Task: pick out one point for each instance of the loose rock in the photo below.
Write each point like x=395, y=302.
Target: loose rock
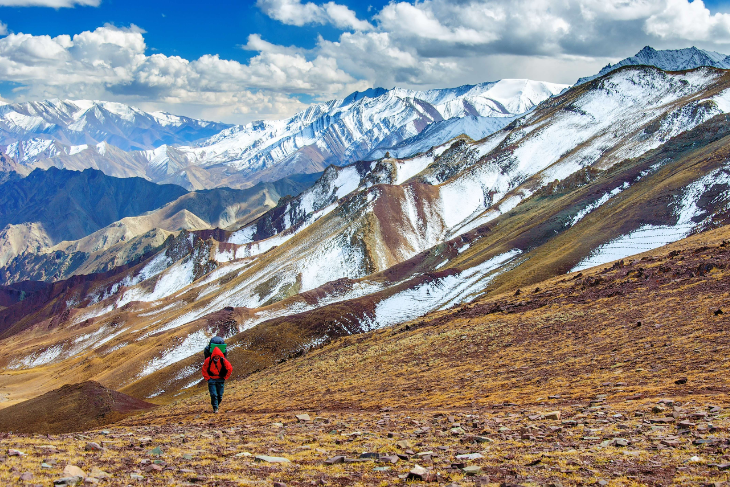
x=268, y=459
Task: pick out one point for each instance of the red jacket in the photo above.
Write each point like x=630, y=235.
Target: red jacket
x=217, y=366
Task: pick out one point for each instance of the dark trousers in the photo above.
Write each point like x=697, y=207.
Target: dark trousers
x=215, y=387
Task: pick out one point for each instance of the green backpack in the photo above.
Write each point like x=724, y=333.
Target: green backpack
x=221, y=346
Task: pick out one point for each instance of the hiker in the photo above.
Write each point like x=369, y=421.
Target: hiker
x=216, y=369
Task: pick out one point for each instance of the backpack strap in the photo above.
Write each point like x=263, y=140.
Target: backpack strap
x=224, y=369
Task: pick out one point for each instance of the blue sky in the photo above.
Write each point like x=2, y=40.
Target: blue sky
x=173, y=27
x=239, y=61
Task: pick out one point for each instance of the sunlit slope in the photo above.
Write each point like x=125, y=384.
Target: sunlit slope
x=633, y=160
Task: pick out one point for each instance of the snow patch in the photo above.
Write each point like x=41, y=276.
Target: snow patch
x=438, y=294
x=192, y=344
x=649, y=237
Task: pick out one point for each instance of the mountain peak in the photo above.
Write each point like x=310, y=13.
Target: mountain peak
x=668, y=60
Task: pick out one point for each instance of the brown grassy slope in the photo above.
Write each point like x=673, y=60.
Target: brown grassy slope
x=73, y=407
x=539, y=226
x=569, y=337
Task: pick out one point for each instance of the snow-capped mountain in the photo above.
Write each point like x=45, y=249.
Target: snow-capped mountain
x=28, y=129
x=360, y=126
x=668, y=60
x=343, y=131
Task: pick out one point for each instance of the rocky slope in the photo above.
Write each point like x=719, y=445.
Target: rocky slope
x=628, y=162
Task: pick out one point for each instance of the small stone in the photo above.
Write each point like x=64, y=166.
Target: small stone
x=389, y=459
x=404, y=444
x=242, y=454
x=303, y=418
x=155, y=452
x=335, y=460
x=68, y=481
x=268, y=459
x=554, y=415
x=15, y=453
x=136, y=476
x=92, y=446
x=277, y=425
x=472, y=470
x=45, y=465
x=279, y=484
x=483, y=439
x=420, y=473
x=26, y=476
x=98, y=473
x=621, y=442
x=470, y=456
x=381, y=469
x=665, y=420
x=724, y=466
x=91, y=481
x=73, y=471
x=458, y=431
x=681, y=380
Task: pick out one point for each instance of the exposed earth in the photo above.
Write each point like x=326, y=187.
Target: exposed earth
x=613, y=376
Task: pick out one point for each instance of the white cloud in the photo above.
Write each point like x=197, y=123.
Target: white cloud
x=294, y=12
x=110, y=63
x=49, y=3
x=691, y=21
x=415, y=44
x=3, y=28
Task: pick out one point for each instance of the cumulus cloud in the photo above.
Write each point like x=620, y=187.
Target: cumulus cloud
x=438, y=42
x=3, y=28
x=294, y=12
x=49, y=3
x=110, y=62
x=691, y=21
x=416, y=44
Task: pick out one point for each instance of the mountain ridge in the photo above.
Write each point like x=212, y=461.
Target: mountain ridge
x=668, y=60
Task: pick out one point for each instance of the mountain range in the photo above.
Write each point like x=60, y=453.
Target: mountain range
x=623, y=163
x=124, y=142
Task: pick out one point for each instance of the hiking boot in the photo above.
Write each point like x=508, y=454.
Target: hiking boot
x=215, y=410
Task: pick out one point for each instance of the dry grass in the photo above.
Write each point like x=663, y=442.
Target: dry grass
x=495, y=367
